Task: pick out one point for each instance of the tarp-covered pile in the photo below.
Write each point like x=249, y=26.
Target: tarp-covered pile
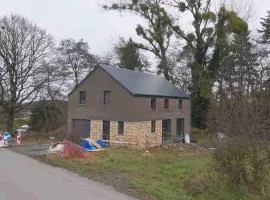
x=4, y=139
x=72, y=150
x=91, y=145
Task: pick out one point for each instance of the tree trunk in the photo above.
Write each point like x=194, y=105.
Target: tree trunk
x=11, y=117
x=165, y=66
x=76, y=78
x=201, y=91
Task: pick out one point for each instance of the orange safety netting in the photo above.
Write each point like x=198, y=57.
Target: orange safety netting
x=72, y=150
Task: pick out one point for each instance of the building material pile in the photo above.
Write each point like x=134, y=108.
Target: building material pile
x=72, y=150
x=90, y=145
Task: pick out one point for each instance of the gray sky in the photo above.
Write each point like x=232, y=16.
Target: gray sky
x=86, y=19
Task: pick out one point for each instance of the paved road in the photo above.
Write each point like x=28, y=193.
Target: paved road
x=22, y=178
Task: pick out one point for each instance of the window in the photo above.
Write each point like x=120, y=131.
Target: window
x=180, y=128
x=153, y=126
x=180, y=104
x=120, y=127
x=82, y=97
x=153, y=103
x=166, y=104
x=107, y=97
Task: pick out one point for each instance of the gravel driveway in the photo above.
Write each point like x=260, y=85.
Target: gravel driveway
x=27, y=179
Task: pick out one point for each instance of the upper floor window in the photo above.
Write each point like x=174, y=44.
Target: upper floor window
x=107, y=97
x=180, y=104
x=153, y=103
x=82, y=97
x=120, y=127
x=166, y=104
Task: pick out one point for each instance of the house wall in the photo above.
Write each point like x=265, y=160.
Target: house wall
x=124, y=106
x=137, y=134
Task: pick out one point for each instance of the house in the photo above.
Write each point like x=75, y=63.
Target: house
x=128, y=106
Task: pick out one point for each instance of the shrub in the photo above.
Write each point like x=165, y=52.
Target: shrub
x=46, y=116
x=244, y=160
x=75, y=138
x=199, y=183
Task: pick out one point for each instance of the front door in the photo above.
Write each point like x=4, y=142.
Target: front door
x=180, y=128
x=106, y=130
x=166, y=130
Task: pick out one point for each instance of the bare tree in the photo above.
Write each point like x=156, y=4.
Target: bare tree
x=243, y=8
x=23, y=45
x=76, y=58
x=55, y=80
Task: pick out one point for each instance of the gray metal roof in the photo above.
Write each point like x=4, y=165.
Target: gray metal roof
x=144, y=84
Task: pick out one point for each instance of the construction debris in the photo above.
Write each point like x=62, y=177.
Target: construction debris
x=72, y=150
x=90, y=145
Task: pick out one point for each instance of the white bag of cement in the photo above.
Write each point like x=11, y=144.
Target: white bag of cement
x=58, y=147
x=2, y=143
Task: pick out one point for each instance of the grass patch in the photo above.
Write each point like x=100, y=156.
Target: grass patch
x=17, y=122
x=166, y=174
x=205, y=138
x=21, y=121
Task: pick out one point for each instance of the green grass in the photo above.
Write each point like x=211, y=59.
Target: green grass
x=205, y=138
x=17, y=122
x=21, y=121
x=167, y=174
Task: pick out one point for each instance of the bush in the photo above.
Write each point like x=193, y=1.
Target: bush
x=244, y=160
x=199, y=183
x=75, y=138
x=46, y=116
x=204, y=138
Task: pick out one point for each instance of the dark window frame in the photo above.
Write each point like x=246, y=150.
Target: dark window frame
x=153, y=103
x=121, y=127
x=180, y=104
x=107, y=101
x=82, y=97
x=153, y=126
x=166, y=104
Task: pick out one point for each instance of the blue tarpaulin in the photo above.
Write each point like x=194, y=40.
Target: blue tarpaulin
x=87, y=147
x=7, y=136
x=102, y=143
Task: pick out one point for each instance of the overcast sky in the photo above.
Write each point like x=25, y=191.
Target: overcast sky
x=86, y=19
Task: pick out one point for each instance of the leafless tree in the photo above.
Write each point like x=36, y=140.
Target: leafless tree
x=75, y=57
x=56, y=77
x=244, y=8
x=23, y=45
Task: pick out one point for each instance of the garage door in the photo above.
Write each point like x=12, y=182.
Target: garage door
x=81, y=127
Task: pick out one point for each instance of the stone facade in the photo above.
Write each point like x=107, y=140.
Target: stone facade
x=137, y=134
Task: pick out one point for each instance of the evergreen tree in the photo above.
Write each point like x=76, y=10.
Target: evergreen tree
x=129, y=55
x=265, y=50
x=242, y=74
x=265, y=29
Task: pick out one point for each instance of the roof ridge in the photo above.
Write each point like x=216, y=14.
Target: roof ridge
x=120, y=68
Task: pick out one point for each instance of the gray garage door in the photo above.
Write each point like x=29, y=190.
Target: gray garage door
x=81, y=127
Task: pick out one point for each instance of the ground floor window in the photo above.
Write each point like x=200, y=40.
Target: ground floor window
x=180, y=132
x=153, y=126
x=120, y=127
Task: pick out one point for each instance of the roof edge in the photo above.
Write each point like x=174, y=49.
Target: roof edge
x=125, y=88
x=160, y=96
x=84, y=79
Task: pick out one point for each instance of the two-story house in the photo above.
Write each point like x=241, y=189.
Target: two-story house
x=128, y=106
